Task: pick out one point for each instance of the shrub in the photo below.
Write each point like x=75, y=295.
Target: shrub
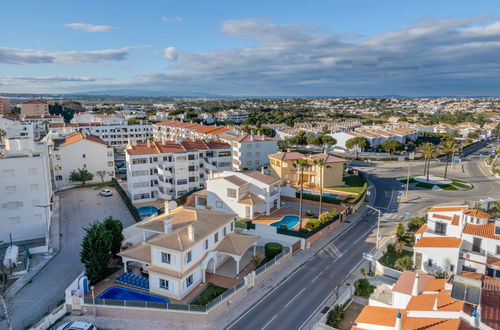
x=309, y=213
x=415, y=223
x=96, y=251
x=363, y=288
x=404, y=263
x=400, y=231
x=272, y=249
x=391, y=248
x=304, y=230
x=115, y=228
x=310, y=225
x=284, y=227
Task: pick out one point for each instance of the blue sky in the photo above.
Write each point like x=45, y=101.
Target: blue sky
x=252, y=48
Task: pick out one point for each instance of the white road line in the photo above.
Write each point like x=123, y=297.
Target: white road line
x=269, y=321
x=295, y=297
x=314, y=279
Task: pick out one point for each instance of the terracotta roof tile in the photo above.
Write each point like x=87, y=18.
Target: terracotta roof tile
x=257, y=175
x=478, y=213
x=421, y=229
x=382, y=316
x=448, y=209
x=442, y=217
x=425, y=302
x=440, y=242
x=456, y=220
x=405, y=282
x=487, y=230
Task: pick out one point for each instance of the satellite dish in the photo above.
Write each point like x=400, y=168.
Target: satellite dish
x=172, y=205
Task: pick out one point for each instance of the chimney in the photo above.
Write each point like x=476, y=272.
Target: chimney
x=435, y=307
x=148, y=143
x=167, y=224
x=251, y=137
x=134, y=143
x=190, y=230
x=262, y=170
x=414, y=291
x=477, y=317
x=399, y=322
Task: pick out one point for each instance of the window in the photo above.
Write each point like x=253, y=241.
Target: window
x=476, y=244
x=232, y=226
x=34, y=187
x=206, y=244
x=218, y=204
x=216, y=237
x=193, y=179
x=9, y=173
x=257, y=153
x=182, y=181
x=429, y=262
x=249, y=163
x=14, y=220
x=166, y=258
x=224, y=231
x=110, y=164
x=440, y=228
x=452, y=268
x=249, y=154
x=497, y=230
x=110, y=154
x=498, y=249
x=191, y=157
x=83, y=155
x=163, y=284
x=191, y=168
x=257, y=162
x=188, y=257
x=189, y=280
x=32, y=171
x=139, y=161
x=10, y=189
x=231, y=192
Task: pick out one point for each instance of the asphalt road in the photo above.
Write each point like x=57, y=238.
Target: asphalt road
x=78, y=208
x=291, y=304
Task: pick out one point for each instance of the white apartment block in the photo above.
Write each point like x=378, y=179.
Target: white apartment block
x=116, y=136
x=25, y=191
x=42, y=123
x=247, y=194
x=456, y=239
x=80, y=151
x=249, y=151
x=377, y=136
x=167, y=170
x=207, y=118
x=233, y=115
x=178, y=248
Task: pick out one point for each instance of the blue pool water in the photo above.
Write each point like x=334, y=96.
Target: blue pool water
x=326, y=194
x=289, y=220
x=147, y=210
x=120, y=293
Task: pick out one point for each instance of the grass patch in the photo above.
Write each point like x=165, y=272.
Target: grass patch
x=389, y=258
x=424, y=185
x=211, y=292
x=447, y=187
x=461, y=184
x=356, y=184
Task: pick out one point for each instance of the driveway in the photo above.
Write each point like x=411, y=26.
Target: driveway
x=78, y=208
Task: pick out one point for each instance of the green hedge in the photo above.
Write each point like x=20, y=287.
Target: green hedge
x=305, y=233
x=127, y=200
x=272, y=249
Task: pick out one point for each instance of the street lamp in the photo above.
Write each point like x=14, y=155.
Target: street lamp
x=411, y=156
x=378, y=223
x=93, y=298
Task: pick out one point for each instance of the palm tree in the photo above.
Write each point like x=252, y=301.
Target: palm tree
x=448, y=147
x=301, y=164
x=321, y=164
x=427, y=150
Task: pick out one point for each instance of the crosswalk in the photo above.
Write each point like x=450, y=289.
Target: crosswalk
x=331, y=251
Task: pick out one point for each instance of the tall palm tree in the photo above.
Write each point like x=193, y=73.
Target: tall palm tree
x=321, y=164
x=301, y=164
x=448, y=147
x=428, y=151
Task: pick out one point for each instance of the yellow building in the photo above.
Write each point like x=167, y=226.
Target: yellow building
x=282, y=167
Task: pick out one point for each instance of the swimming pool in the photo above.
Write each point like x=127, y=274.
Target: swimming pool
x=325, y=194
x=146, y=211
x=120, y=293
x=289, y=220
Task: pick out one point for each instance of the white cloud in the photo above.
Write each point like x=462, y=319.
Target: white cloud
x=36, y=56
x=51, y=78
x=91, y=27
x=170, y=53
x=176, y=19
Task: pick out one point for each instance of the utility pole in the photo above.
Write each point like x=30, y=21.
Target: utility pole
x=378, y=223
x=411, y=156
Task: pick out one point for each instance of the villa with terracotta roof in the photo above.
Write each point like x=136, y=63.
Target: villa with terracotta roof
x=167, y=170
x=458, y=238
x=249, y=151
x=421, y=301
x=79, y=151
x=178, y=249
x=247, y=194
x=314, y=176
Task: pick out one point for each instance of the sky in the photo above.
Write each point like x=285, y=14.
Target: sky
x=252, y=48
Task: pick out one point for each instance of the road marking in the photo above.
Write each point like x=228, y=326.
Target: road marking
x=269, y=321
x=294, y=297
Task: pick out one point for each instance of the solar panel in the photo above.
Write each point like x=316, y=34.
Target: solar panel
x=466, y=289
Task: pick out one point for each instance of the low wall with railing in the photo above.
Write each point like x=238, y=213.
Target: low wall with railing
x=261, y=273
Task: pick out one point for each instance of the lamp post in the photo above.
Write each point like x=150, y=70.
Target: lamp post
x=378, y=223
x=93, y=298
x=411, y=156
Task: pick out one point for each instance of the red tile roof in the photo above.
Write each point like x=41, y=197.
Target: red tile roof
x=34, y=102
x=442, y=217
x=425, y=302
x=438, y=242
x=158, y=147
x=421, y=229
x=75, y=137
x=448, y=209
x=487, y=230
x=405, y=282
x=478, y=213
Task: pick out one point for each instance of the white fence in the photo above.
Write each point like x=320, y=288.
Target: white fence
x=50, y=319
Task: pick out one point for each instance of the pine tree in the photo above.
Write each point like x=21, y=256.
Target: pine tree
x=96, y=251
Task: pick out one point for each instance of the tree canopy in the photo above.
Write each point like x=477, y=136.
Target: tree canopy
x=361, y=142
x=81, y=175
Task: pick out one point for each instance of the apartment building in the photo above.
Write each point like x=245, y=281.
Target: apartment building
x=79, y=151
x=233, y=115
x=25, y=190
x=167, y=169
x=41, y=123
x=457, y=238
x=313, y=177
x=178, y=248
x=116, y=136
x=247, y=194
x=34, y=108
x=5, y=106
x=249, y=151
x=376, y=136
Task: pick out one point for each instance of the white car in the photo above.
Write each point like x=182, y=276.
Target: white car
x=77, y=325
x=106, y=192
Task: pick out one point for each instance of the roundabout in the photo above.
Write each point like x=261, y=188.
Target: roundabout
x=433, y=180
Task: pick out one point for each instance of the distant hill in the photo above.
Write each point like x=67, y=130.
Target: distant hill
x=138, y=92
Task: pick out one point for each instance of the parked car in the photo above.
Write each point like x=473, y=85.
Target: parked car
x=120, y=163
x=77, y=325
x=122, y=170
x=106, y=192
x=123, y=177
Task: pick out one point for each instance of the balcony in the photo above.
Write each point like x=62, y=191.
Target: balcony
x=473, y=256
x=207, y=165
x=162, y=170
x=165, y=185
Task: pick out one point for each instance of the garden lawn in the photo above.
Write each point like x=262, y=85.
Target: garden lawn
x=355, y=182
x=389, y=258
x=461, y=184
x=211, y=292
